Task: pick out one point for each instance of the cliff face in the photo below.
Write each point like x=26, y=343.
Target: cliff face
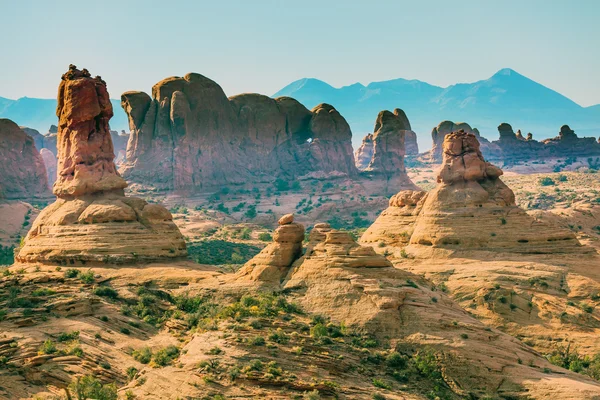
x=92, y=220
x=189, y=135
x=22, y=171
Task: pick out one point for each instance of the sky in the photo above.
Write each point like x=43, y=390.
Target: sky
x=263, y=45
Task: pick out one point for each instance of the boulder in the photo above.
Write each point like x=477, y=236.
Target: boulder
x=22, y=172
x=92, y=220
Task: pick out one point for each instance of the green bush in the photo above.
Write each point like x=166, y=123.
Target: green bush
x=7, y=255
x=71, y=273
x=165, y=356
x=546, y=181
x=87, y=277
x=218, y=252
x=88, y=387
x=48, y=347
x=106, y=291
x=265, y=237
x=67, y=337
x=144, y=355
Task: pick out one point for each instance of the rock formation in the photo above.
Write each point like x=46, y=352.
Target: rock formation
x=514, y=147
x=388, y=145
x=119, y=141
x=363, y=155
x=50, y=163
x=446, y=127
x=22, y=172
x=189, y=135
x=410, y=138
x=272, y=264
x=37, y=137
x=470, y=209
x=92, y=220
x=394, y=226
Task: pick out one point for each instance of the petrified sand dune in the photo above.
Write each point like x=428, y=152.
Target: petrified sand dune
x=92, y=220
x=470, y=209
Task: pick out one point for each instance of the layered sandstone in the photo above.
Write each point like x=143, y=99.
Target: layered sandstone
x=22, y=172
x=189, y=135
x=92, y=220
x=272, y=264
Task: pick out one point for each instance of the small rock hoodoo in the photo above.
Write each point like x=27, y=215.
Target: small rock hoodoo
x=92, y=220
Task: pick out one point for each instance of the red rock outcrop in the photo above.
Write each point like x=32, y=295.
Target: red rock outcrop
x=388, y=145
x=22, y=172
x=189, y=135
x=92, y=220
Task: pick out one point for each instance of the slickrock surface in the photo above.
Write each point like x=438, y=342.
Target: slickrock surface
x=189, y=135
x=272, y=264
x=92, y=220
x=22, y=171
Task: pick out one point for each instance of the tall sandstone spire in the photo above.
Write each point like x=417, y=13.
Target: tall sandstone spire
x=92, y=220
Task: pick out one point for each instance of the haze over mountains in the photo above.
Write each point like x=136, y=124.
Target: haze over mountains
x=505, y=97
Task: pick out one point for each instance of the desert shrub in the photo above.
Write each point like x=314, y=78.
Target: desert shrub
x=546, y=181
x=87, y=277
x=48, y=347
x=396, y=360
x=88, y=387
x=165, y=356
x=7, y=255
x=106, y=291
x=265, y=237
x=71, y=273
x=42, y=292
x=143, y=355
x=218, y=252
x=67, y=337
x=257, y=341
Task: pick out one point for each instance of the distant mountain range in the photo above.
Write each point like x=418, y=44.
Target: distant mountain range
x=39, y=114
x=505, y=97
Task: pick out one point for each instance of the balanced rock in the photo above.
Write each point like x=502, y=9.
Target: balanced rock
x=22, y=172
x=472, y=209
x=286, y=219
x=92, y=220
x=190, y=136
x=272, y=264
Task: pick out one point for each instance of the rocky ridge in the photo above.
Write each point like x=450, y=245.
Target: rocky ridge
x=192, y=136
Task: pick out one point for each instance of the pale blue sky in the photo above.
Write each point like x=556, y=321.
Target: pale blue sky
x=261, y=46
